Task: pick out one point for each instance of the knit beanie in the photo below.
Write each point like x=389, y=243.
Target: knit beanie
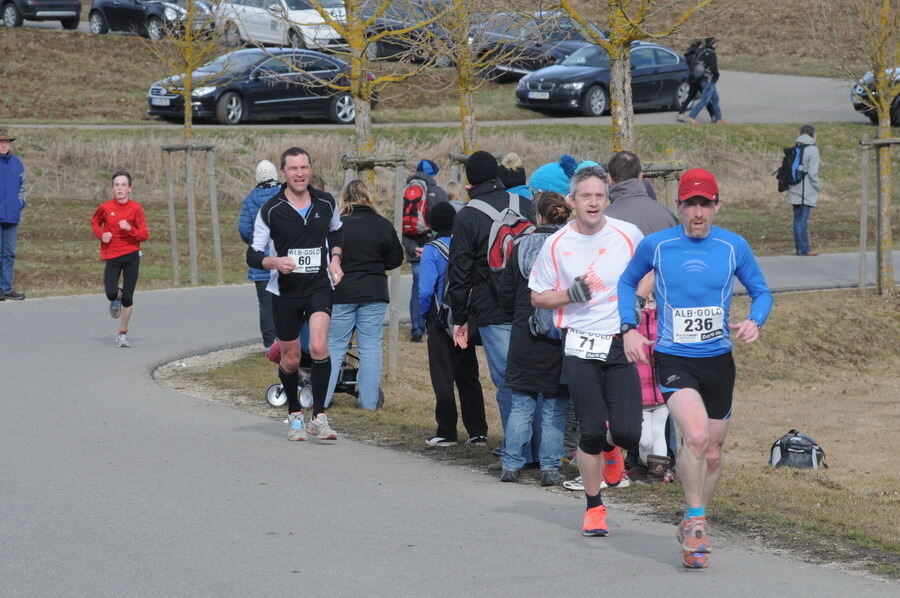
x=511, y=171
x=587, y=163
x=265, y=171
x=441, y=218
x=428, y=167
x=481, y=167
x=554, y=176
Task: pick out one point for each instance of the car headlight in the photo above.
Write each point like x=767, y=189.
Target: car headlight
x=575, y=86
x=522, y=84
x=170, y=13
x=203, y=91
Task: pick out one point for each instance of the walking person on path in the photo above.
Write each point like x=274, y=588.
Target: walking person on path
x=13, y=199
x=371, y=247
x=576, y=275
x=695, y=265
x=121, y=227
x=266, y=187
x=304, y=226
x=707, y=65
x=804, y=196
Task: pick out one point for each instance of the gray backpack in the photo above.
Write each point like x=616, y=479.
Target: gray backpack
x=797, y=450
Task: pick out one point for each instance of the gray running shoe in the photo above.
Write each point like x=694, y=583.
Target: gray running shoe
x=296, y=429
x=552, y=477
x=509, y=475
x=115, y=308
x=318, y=427
x=122, y=340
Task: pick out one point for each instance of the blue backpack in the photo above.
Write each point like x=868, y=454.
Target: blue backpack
x=791, y=171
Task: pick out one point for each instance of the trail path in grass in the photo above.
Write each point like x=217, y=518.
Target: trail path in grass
x=115, y=486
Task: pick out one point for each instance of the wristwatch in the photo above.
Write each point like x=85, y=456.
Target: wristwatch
x=626, y=327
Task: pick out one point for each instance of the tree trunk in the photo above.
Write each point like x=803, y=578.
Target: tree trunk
x=364, y=141
x=884, y=275
x=467, y=121
x=621, y=107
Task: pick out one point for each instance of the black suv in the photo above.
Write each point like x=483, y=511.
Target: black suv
x=67, y=12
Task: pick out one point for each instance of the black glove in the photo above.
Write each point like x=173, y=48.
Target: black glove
x=579, y=292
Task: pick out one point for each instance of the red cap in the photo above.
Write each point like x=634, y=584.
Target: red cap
x=698, y=182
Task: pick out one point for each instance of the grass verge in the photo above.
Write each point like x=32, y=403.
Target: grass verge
x=842, y=388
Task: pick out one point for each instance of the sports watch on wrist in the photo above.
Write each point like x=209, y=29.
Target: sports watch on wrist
x=626, y=327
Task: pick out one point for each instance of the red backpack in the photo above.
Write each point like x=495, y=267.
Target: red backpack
x=507, y=228
x=415, y=209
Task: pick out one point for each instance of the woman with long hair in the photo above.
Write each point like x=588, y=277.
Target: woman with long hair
x=371, y=247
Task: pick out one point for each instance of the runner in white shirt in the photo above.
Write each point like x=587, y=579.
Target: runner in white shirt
x=576, y=275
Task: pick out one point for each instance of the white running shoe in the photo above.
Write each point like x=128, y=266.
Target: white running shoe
x=318, y=427
x=122, y=340
x=296, y=429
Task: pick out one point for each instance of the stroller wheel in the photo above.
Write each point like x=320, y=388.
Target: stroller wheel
x=275, y=395
x=380, y=397
x=306, y=397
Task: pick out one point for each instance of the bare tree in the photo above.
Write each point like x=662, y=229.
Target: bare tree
x=628, y=21
x=183, y=49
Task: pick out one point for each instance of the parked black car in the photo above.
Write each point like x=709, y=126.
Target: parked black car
x=580, y=83
x=397, y=17
x=525, y=45
x=868, y=82
x=67, y=12
x=149, y=18
x=260, y=84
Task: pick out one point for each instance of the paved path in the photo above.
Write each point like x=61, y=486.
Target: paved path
x=111, y=485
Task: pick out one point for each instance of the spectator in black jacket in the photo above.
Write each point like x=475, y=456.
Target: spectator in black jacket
x=371, y=246
x=709, y=64
x=472, y=288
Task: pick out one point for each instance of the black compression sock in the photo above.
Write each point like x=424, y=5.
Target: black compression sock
x=319, y=374
x=593, y=501
x=289, y=383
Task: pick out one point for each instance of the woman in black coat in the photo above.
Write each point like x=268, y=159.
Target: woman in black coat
x=360, y=300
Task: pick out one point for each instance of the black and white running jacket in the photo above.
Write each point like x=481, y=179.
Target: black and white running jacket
x=281, y=228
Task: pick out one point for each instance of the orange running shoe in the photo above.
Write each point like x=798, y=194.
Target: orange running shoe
x=595, y=522
x=613, y=466
x=692, y=535
x=695, y=560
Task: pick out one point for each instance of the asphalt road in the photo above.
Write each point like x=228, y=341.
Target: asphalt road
x=115, y=486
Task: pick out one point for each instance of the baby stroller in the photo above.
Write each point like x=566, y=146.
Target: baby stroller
x=346, y=382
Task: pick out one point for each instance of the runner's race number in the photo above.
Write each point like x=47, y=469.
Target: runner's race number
x=587, y=345
x=308, y=259
x=697, y=324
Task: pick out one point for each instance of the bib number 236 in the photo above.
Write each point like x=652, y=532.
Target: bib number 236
x=697, y=324
x=586, y=345
x=308, y=259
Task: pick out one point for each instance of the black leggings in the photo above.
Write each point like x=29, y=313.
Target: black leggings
x=128, y=266
x=605, y=391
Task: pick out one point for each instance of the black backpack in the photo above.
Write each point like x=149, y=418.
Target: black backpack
x=797, y=450
x=791, y=171
x=697, y=63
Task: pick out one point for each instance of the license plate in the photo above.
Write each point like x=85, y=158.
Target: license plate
x=538, y=95
x=159, y=101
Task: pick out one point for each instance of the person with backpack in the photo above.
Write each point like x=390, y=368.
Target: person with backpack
x=693, y=79
x=706, y=69
x=420, y=195
x=534, y=360
x=804, y=195
x=482, y=235
x=447, y=363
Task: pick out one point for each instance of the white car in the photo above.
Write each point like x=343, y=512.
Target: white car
x=281, y=22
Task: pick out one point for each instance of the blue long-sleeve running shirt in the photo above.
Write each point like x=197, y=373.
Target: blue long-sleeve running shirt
x=694, y=283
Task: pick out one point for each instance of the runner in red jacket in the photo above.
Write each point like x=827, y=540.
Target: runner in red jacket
x=121, y=227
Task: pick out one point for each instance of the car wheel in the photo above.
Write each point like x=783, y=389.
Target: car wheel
x=155, y=29
x=70, y=24
x=11, y=15
x=873, y=117
x=97, y=23
x=595, y=101
x=295, y=40
x=232, y=35
x=230, y=109
x=680, y=95
x=342, y=110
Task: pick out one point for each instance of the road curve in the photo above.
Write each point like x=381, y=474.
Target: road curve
x=115, y=486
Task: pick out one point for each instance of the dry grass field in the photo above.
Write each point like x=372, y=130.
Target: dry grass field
x=842, y=389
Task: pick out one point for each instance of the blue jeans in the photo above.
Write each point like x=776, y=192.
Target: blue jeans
x=416, y=319
x=709, y=96
x=496, y=347
x=8, y=233
x=552, y=416
x=801, y=234
x=368, y=319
